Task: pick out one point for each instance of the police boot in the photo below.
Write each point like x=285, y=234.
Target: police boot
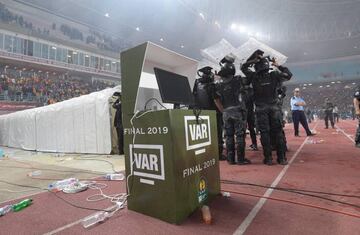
x=231, y=158
x=268, y=160
x=282, y=160
x=240, y=150
x=243, y=161
x=222, y=157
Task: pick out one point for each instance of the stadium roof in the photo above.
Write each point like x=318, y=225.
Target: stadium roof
x=302, y=29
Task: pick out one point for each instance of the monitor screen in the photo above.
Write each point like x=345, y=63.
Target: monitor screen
x=174, y=88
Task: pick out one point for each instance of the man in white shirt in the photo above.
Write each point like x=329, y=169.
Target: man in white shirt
x=297, y=107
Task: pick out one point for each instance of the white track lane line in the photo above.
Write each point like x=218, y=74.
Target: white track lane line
x=350, y=123
x=73, y=223
x=346, y=134
x=255, y=210
x=21, y=197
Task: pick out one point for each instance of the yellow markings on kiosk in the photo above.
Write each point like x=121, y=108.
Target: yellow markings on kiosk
x=202, y=185
x=203, y=192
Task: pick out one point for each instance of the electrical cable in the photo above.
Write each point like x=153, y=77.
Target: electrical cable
x=296, y=203
x=132, y=148
x=99, y=160
x=120, y=197
x=56, y=179
x=81, y=157
x=147, y=102
x=75, y=158
x=197, y=113
x=22, y=162
x=320, y=197
x=11, y=191
x=56, y=195
x=292, y=189
x=47, y=169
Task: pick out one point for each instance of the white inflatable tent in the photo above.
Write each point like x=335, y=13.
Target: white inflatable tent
x=78, y=125
x=213, y=54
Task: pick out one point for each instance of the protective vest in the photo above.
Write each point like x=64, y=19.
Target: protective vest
x=229, y=90
x=204, y=95
x=265, y=88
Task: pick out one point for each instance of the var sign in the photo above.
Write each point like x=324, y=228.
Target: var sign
x=147, y=161
x=197, y=133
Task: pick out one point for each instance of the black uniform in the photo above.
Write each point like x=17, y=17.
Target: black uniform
x=357, y=135
x=328, y=111
x=118, y=125
x=308, y=115
x=204, y=91
x=234, y=116
x=268, y=112
x=249, y=103
x=281, y=91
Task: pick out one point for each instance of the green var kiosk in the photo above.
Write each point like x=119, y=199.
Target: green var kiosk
x=171, y=155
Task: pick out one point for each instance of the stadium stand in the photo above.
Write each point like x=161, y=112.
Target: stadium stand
x=44, y=87
x=340, y=93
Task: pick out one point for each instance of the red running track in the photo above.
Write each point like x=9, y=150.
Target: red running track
x=331, y=166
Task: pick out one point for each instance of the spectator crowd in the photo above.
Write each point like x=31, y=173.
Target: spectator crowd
x=45, y=88
x=340, y=94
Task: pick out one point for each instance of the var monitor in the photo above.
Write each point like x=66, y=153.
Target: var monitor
x=174, y=88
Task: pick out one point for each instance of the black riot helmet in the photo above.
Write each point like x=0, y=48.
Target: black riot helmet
x=205, y=74
x=255, y=55
x=227, y=67
x=263, y=65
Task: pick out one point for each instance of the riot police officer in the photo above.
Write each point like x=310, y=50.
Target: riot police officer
x=249, y=103
x=357, y=113
x=268, y=112
x=203, y=91
x=281, y=91
x=228, y=100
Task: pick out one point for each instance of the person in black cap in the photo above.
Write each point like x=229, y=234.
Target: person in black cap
x=204, y=91
x=268, y=113
x=228, y=100
x=118, y=122
x=357, y=113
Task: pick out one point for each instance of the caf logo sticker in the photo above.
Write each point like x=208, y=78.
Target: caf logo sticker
x=203, y=192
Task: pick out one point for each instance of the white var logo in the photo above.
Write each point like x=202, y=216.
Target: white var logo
x=147, y=161
x=197, y=132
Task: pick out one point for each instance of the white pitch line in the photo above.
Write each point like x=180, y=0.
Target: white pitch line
x=347, y=135
x=255, y=210
x=350, y=123
x=72, y=224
